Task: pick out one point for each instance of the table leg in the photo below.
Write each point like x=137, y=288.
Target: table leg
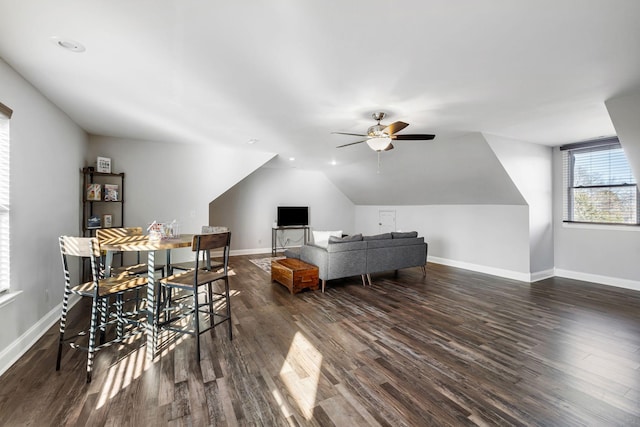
x=107, y=263
x=152, y=326
x=169, y=268
x=274, y=237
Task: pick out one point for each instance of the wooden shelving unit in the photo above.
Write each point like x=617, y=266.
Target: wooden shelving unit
x=101, y=207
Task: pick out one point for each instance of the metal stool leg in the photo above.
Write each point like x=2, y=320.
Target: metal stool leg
x=196, y=318
x=63, y=324
x=228, y=298
x=92, y=338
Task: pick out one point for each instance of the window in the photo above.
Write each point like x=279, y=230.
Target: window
x=5, y=114
x=599, y=186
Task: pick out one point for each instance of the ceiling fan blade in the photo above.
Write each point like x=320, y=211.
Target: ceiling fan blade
x=395, y=127
x=389, y=147
x=413, y=137
x=351, y=143
x=345, y=133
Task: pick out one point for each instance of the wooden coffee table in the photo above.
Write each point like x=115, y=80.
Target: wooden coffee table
x=296, y=275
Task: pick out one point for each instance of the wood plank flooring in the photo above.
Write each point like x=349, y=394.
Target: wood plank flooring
x=454, y=348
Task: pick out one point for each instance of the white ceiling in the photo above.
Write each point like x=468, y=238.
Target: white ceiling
x=288, y=72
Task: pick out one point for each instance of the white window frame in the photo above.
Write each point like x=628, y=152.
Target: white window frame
x=5, y=255
x=570, y=187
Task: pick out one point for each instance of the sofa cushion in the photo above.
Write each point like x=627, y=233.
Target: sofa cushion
x=392, y=243
x=353, y=238
x=382, y=236
x=404, y=235
x=321, y=238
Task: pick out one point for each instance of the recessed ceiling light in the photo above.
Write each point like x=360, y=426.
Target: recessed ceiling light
x=291, y=159
x=68, y=44
x=333, y=163
x=252, y=141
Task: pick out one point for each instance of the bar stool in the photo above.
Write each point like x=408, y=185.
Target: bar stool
x=100, y=290
x=206, y=255
x=188, y=285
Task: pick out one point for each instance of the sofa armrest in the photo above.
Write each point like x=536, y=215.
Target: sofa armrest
x=316, y=255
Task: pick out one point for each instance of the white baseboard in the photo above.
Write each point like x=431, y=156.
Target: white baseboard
x=254, y=251
x=541, y=275
x=596, y=278
x=19, y=347
x=257, y=251
x=508, y=274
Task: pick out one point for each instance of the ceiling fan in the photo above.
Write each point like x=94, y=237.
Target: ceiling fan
x=379, y=137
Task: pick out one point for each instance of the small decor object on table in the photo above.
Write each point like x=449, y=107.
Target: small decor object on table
x=103, y=164
x=111, y=192
x=155, y=231
x=93, y=221
x=94, y=192
x=107, y=221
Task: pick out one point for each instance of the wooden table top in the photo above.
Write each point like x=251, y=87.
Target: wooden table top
x=142, y=243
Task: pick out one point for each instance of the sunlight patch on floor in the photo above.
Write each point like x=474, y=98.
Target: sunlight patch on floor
x=121, y=375
x=123, y=372
x=300, y=373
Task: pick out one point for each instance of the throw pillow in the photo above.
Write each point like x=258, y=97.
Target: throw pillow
x=321, y=238
x=405, y=235
x=354, y=238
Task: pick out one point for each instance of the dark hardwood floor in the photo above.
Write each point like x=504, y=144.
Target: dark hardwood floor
x=453, y=348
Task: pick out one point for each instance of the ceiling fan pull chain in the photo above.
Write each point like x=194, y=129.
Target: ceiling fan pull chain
x=378, y=162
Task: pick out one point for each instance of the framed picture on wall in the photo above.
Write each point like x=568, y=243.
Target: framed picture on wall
x=103, y=164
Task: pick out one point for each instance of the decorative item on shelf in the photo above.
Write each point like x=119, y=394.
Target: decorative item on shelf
x=93, y=221
x=111, y=192
x=107, y=221
x=103, y=164
x=94, y=192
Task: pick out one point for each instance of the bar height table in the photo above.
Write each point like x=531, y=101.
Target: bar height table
x=142, y=243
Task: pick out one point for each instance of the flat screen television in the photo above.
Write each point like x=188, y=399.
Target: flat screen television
x=293, y=215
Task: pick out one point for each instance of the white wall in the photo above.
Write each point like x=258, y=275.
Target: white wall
x=250, y=207
x=489, y=238
x=47, y=152
x=445, y=171
x=165, y=181
x=603, y=254
x=624, y=111
x=530, y=168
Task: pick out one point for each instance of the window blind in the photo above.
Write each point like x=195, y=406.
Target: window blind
x=598, y=184
x=4, y=198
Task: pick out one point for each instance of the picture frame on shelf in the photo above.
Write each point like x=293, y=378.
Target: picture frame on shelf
x=94, y=192
x=107, y=221
x=93, y=221
x=111, y=192
x=103, y=164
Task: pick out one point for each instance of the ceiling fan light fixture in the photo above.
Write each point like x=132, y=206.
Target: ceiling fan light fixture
x=378, y=143
x=377, y=131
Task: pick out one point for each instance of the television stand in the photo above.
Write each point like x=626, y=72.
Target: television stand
x=274, y=235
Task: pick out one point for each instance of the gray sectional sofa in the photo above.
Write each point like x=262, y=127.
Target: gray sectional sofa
x=359, y=255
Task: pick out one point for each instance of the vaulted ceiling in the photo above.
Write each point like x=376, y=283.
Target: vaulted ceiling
x=284, y=74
